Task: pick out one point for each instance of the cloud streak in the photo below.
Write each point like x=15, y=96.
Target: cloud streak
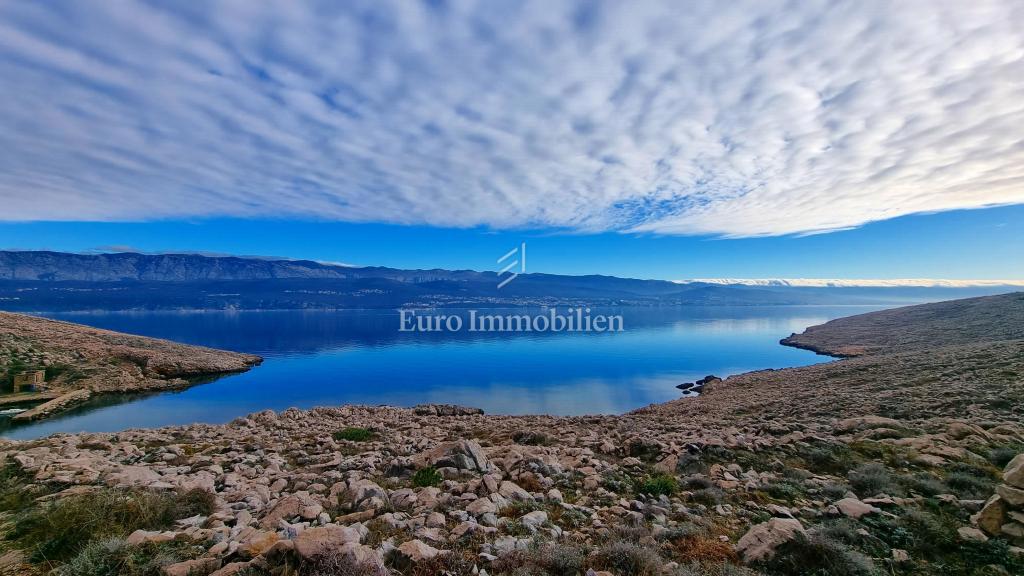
x=735, y=119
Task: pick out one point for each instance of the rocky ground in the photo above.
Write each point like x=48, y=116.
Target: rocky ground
x=81, y=361
x=900, y=461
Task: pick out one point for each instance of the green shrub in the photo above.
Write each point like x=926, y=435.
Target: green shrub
x=924, y=484
x=969, y=487
x=626, y=559
x=354, y=434
x=708, y=496
x=59, y=530
x=545, y=559
x=785, y=490
x=425, y=477
x=930, y=534
x=658, y=484
x=834, y=491
x=829, y=458
x=871, y=479
x=819, y=554
x=1002, y=455
x=338, y=563
x=113, y=556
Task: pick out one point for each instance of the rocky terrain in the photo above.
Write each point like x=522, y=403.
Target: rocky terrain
x=80, y=361
x=902, y=460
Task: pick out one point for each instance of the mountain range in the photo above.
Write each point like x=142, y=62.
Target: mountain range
x=42, y=280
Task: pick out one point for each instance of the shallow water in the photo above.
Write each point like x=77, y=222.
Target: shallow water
x=321, y=358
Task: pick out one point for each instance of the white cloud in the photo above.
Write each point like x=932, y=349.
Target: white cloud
x=856, y=283
x=738, y=118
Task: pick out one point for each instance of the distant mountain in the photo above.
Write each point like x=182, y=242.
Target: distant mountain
x=124, y=281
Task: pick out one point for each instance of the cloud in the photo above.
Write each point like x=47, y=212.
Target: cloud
x=735, y=119
x=856, y=283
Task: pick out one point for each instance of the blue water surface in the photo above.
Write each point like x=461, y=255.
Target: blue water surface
x=327, y=358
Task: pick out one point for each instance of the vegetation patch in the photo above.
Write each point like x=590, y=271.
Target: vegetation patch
x=353, y=434
x=425, y=477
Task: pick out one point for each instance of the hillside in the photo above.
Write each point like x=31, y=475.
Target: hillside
x=974, y=320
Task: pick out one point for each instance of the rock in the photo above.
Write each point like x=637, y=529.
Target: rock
x=1013, y=496
x=415, y=551
x=534, y=520
x=300, y=504
x=148, y=537
x=1014, y=530
x=445, y=410
x=481, y=506
x=231, y=569
x=992, y=516
x=133, y=476
x=854, y=508
x=197, y=567
x=362, y=495
x=461, y=454
x=257, y=542
x=971, y=534
x=313, y=542
x=512, y=491
x=865, y=423
x=1013, y=474
x=900, y=556
x=760, y=542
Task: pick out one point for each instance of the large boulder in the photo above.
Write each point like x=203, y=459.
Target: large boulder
x=1013, y=474
x=991, y=516
x=854, y=508
x=761, y=541
x=461, y=454
x=363, y=494
x=300, y=505
x=313, y=542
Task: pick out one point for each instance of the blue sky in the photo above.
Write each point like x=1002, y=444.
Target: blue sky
x=650, y=139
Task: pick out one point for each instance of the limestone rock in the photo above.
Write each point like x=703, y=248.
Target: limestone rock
x=197, y=567
x=461, y=454
x=854, y=508
x=992, y=516
x=1014, y=496
x=313, y=542
x=415, y=551
x=1013, y=474
x=761, y=541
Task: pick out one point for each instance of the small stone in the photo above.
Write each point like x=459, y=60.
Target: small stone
x=900, y=556
x=971, y=534
x=853, y=508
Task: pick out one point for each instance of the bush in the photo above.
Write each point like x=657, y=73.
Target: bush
x=834, y=491
x=870, y=479
x=626, y=559
x=819, y=554
x=425, y=477
x=114, y=556
x=708, y=496
x=658, y=484
x=354, y=434
x=928, y=533
x=784, y=490
x=547, y=559
x=703, y=550
x=58, y=531
x=336, y=563
x=1002, y=455
x=969, y=487
x=829, y=459
x=924, y=484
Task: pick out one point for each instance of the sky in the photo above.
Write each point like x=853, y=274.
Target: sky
x=651, y=139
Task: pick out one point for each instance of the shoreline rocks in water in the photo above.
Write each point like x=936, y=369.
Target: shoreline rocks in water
x=698, y=386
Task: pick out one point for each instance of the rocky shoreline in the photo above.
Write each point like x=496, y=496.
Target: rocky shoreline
x=902, y=462
x=81, y=362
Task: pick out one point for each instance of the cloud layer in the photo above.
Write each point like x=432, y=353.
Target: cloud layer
x=735, y=118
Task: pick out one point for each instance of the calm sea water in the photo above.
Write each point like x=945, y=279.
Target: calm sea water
x=324, y=358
